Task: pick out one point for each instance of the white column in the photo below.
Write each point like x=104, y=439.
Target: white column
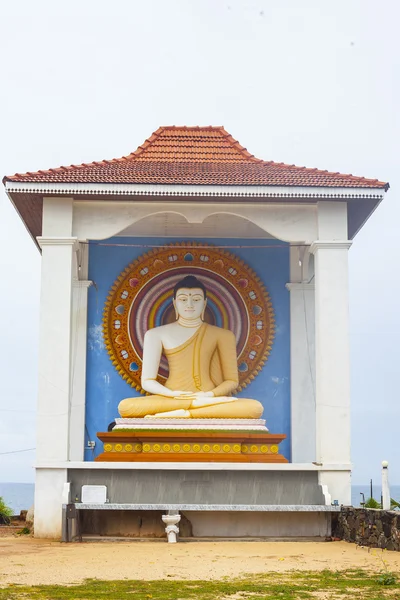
x=49, y=492
x=332, y=377
x=59, y=267
x=302, y=371
x=58, y=256
x=386, y=501
x=78, y=357
x=78, y=369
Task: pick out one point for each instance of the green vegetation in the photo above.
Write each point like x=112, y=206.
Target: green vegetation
x=5, y=512
x=372, y=503
x=393, y=504
x=385, y=577
x=345, y=585
x=24, y=531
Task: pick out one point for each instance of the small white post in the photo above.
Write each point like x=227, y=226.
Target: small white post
x=172, y=528
x=66, y=493
x=385, y=486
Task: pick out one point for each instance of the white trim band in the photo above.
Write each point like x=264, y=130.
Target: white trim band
x=133, y=189
x=194, y=466
x=324, y=508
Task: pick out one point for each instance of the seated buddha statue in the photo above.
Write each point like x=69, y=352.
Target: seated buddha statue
x=202, y=366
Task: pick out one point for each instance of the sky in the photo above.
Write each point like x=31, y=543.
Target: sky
x=312, y=83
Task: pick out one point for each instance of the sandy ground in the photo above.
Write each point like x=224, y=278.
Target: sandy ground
x=30, y=561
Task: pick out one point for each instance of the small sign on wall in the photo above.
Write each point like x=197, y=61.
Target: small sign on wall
x=94, y=494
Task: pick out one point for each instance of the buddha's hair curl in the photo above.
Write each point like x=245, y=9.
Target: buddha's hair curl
x=189, y=282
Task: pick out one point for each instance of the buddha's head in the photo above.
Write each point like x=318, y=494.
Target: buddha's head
x=190, y=298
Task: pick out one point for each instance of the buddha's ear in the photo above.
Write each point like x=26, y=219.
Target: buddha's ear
x=204, y=309
x=176, y=311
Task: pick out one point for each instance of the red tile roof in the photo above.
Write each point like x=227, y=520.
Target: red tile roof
x=195, y=155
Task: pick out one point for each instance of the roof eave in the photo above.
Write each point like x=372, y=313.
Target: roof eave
x=362, y=201
x=31, y=234
x=159, y=189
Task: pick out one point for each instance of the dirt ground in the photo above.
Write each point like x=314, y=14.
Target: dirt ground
x=29, y=561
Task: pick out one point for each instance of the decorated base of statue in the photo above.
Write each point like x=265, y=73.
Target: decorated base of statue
x=190, y=424
x=190, y=440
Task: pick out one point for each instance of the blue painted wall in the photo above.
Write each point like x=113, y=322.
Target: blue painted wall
x=105, y=387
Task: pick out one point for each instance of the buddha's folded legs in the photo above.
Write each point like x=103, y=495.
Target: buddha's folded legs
x=241, y=408
x=149, y=405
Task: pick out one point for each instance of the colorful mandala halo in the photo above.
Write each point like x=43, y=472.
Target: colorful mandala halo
x=141, y=298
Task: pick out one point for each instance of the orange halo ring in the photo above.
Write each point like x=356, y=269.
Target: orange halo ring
x=209, y=261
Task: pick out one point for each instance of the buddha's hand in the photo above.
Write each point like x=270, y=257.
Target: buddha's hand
x=203, y=395
x=180, y=394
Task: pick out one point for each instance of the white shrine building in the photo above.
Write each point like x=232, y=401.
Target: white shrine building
x=194, y=183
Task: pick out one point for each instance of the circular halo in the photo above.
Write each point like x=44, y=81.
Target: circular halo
x=141, y=298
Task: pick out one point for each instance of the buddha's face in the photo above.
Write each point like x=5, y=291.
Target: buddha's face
x=190, y=303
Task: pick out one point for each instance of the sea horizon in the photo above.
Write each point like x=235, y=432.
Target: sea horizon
x=19, y=496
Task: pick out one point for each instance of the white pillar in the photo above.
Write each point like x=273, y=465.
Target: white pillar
x=58, y=255
x=385, y=486
x=78, y=358
x=302, y=371
x=53, y=414
x=59, y=266
x=49, y=495
x=332, y=377
x=78, y=370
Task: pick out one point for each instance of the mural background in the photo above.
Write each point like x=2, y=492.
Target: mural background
x=105, y=387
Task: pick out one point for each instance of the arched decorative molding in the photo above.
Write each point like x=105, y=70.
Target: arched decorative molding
x=217, y=226
x=290, y=223
x=286, y=223
x=99, y=221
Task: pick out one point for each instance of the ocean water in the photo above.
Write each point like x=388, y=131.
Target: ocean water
x=19, y=496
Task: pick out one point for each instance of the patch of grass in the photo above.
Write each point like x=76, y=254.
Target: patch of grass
x=24, y=531
x=269, y=586
x=388, y=578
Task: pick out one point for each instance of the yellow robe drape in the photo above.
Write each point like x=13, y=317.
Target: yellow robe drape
x=205, y=362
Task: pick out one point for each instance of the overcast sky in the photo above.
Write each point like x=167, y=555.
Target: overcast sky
x=309, y=82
